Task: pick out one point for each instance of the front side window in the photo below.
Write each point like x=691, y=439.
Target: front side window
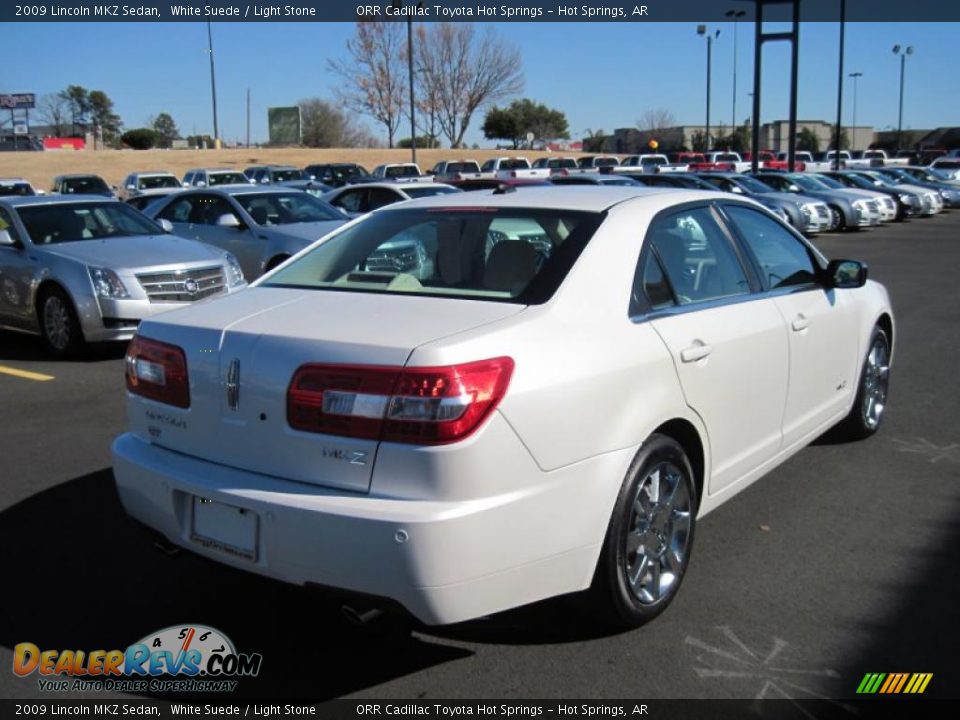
x=512, y=255
x=784, y=260
x=697, y=257
x=6, y=223
x=285, y=208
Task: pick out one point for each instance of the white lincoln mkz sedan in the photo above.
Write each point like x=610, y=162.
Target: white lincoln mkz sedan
x=467, y=403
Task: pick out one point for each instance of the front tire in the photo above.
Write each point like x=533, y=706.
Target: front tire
x=868, y=409
x=59, y=323
x=647, y=547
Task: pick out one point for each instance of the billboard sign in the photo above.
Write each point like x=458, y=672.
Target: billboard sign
x=284, y=124
x=18, y=101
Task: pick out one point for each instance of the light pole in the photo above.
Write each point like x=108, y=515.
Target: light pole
x=413, y=125
x=853, y=140
x=213, y=85
x=702, y=30
x=736, y=15
x=902, y=52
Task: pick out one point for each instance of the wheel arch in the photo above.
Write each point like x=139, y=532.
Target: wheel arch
x=687, y=435
x=886, y=324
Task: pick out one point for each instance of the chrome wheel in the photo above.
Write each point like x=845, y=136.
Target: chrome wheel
x=658, y=533
x=876, y=379
x=57, y=322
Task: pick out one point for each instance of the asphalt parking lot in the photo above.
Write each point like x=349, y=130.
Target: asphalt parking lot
x=840, y=562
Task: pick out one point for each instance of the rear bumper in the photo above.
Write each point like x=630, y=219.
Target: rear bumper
x=444, y=561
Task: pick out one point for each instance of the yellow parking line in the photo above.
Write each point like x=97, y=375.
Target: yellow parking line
x=25, y=374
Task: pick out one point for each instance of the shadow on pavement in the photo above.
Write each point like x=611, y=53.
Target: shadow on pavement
x=917, y=632
x=30, y=348
x=81, y=575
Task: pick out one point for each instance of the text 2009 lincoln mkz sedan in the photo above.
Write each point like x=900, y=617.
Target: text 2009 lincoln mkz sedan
x=546, y=404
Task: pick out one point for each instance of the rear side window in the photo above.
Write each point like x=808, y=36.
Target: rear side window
x=512, y=255
x=696, y=257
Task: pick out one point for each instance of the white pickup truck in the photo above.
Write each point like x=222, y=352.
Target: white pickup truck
x=401, y=172
x=811, y=165
x=650, y=163
x=506, y=168
x=869, y=159
x=736, y=163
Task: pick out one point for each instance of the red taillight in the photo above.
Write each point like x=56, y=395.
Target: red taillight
x=428, y=406
x=158, y=371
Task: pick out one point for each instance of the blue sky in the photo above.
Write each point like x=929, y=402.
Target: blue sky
x=602, y=75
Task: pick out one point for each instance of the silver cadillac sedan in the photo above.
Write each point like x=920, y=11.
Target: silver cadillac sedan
x=88, y=269
x=261, y=227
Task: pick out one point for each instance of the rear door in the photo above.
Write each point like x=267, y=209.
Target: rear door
x=728, y=343
x=820, y=322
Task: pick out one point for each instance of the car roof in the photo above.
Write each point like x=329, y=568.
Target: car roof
x=25, y=200
x=393, y=185
x=152, y=172
x=12, y=180
x=74, y=176
x=583, y=198
x=244, y=190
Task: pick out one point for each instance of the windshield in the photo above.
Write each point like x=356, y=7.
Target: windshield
x=85, y=185
x=829, y=182
x=152, y=182
x=753, y=185
x=419, y=192
x=878, y=180
x=807, y=183
x=58, y=223
x=227, y=178
x=287, y=175
x=286, y=208
x=506, y=254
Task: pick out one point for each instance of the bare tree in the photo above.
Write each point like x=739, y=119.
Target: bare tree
x=54, y=110
x=657, y=119
x=468, y=72
x=374, y=76
x=325, y=124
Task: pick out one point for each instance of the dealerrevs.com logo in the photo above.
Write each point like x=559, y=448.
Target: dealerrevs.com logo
x=180, y=658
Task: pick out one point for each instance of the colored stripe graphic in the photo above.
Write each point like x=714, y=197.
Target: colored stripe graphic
x=894, y=683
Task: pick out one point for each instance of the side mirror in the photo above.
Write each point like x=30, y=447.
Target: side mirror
x=5, y=238
x=736, y=189
x=846, y=274
x=131, y=187
x=793, y=188
x=229, y=220
x=185, y=184
x=201, y=183
x=166, y=225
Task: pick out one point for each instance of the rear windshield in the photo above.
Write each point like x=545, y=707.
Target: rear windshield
x=463, y=167
x=397, y=171
x=82, y=185
x=16, y=189
x=503, y=254
x=153, y=182
x=429, y=190
x=514, y=165
x=606, y=162
x=227, y=178
x=62, y=222
x=287, y=175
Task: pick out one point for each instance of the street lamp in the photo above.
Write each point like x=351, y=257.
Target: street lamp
x=702, y=30
x=413, y=125
x=736, y=15
x=213, y=85
x=853, y=140
x=902, y=52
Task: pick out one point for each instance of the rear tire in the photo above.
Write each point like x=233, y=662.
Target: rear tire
x=839, y=221
x=59, y=324
x=868, y=409
x=650, y=536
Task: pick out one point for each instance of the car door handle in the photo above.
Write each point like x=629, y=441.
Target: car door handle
x=695, y=352
x=800, y=322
